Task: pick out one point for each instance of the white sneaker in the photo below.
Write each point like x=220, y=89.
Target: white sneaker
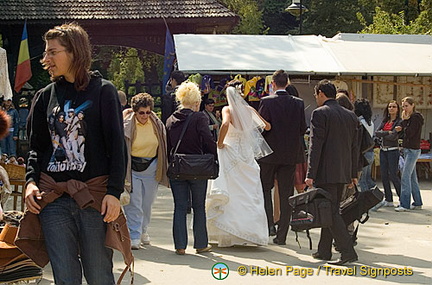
x=388, y=204
x=413, y=207
x=135, y=244
x=401, y=209
x=145, y=239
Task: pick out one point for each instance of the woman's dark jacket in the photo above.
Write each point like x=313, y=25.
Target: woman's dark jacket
x=389, y=138
x=412, y=131
x=197, y=138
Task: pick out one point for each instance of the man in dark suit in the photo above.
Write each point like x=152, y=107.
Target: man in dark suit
x=286, y=115
x=333, y=160
x=169, y=104
x=214, y=124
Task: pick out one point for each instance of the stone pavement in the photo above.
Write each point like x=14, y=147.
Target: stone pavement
x=392, y=243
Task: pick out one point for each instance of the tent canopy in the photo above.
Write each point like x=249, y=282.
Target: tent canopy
x=344, y=54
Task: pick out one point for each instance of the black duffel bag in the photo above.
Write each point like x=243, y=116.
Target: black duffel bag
x=310, y=209
x=192, y=166
x=353, y=208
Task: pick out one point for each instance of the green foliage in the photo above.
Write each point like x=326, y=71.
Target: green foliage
x=331, y=17
x=276, y=19
x=125, y=65
x=387, y=22
x=251, y=21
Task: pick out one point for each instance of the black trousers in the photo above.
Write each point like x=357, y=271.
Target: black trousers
x=285, y=177
x=338, y=231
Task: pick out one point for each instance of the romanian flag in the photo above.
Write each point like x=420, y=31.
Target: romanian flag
x=23, y=71
x=168, y=59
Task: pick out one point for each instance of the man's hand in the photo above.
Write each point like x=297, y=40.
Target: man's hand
x=354, y=181
x=309, y=182
x=32, y=194
x=110, y=208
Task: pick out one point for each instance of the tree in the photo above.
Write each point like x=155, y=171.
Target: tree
x=251, y=21
x=125, y=65
x=276, y=20
x=328, y=18
x=385, y=22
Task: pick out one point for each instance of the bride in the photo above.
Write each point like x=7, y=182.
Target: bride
x=235, y=202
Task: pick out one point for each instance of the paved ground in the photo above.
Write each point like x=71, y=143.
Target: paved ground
x=398, y=244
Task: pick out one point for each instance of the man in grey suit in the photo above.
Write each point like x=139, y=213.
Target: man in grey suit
x=333, y=160
x=286, y=115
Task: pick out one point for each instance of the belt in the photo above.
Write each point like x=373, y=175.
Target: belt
x=389, y=148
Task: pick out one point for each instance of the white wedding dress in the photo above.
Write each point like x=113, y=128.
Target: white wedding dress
x=235, y=202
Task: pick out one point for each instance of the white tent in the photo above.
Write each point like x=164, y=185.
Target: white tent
x=344, y=54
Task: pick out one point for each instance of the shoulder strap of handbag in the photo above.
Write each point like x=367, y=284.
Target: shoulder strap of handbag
x=183, y=132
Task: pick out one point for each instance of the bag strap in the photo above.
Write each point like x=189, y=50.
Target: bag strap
x=183, y=132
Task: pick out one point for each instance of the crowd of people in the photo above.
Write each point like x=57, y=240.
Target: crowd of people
x=112, y=147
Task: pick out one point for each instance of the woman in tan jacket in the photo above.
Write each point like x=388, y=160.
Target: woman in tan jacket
x=145, y=137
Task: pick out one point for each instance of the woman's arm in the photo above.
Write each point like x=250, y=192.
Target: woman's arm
x=267, y=124
x=226, y=119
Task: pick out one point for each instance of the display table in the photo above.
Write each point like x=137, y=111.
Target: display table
x=423, y=163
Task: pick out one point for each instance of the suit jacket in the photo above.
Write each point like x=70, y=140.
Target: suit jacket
x=286, y=115
x=212, y=121
x=334, y=150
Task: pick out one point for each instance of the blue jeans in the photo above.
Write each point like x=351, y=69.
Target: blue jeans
x=389, y=161
x=8, y=145
x=365, y=180
x=75, y=239
x=409, y=181
x=180, y=190
x=138, y=211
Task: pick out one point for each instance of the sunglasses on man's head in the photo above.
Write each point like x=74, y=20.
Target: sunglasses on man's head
x=142, y=112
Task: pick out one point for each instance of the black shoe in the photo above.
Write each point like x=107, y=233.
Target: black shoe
x=318, y=255
x=278, y=242
x=272, y=231
x=343, y=260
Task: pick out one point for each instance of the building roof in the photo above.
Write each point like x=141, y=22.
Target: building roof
x=344, y=54
x=40, y=10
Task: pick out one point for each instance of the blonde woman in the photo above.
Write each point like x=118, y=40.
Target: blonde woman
x=196, y=140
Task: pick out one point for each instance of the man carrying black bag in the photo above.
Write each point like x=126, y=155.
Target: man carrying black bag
x=333, y=160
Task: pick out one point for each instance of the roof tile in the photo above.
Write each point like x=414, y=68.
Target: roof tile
x=110, y=9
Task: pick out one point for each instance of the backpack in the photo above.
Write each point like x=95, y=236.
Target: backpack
x=311, y=209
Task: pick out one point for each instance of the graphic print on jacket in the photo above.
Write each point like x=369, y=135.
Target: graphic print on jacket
x=68, y=132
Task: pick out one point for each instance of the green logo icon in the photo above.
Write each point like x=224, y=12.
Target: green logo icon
x=220, y=271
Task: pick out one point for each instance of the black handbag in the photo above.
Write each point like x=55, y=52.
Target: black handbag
x=192, y=166
x=353, y=208
x=140, y=164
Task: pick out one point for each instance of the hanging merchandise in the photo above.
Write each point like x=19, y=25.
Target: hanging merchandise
x=195, y=78
x=207, y=84
x=250, y=89
x=241, y=79
x=5, y=87
x=268, y=85
x=339, y=84
x=260, y=88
